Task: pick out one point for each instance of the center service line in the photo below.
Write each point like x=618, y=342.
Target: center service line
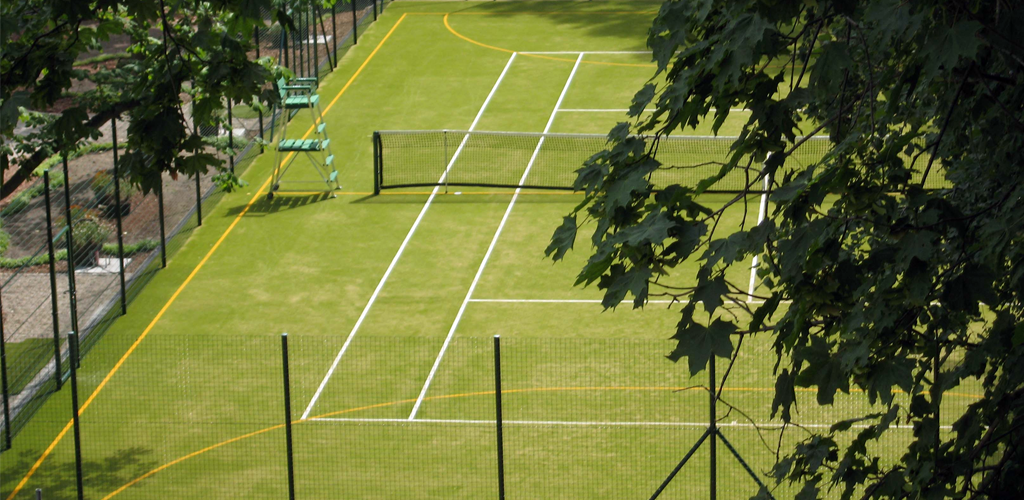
x=405, y=242
x=494, y=240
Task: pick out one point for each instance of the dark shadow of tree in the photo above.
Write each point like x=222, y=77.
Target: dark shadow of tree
x=57, y=479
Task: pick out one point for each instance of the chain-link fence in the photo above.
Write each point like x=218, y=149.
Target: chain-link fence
x=573, y=418
x=117, y=237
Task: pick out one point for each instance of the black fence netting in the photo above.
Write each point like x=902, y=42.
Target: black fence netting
x=54, y=279
x=215, y=414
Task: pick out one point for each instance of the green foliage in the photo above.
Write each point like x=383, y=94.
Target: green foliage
x=886, y=280
x=88, y=227
x=59, y=255
x=132, y=248
x=22, y=200
x=206, y=58
x=5, y=241
x=102, y=185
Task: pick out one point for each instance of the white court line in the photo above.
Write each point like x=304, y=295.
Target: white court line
x=760, y=217
x=768, y=425
x=494, y=241
x=405, y=242
x=617, y=110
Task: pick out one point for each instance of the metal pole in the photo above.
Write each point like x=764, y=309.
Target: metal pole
x=316, y=45
x=73, y=351
x=72, y=289
x=231, y=138
x=53, y=280
x=39, y=494
x=334, y=31
x=323, y=30
x=120, y=230
x=713, y=429
x=163, y=233
x=376, y=163
x=302, y=49
x=355, y=30
x=3, y=382
x=288, y=416
x=199, y=202
x=374, y=10
x=256, y=36
x=679, y=466
x=497, y=418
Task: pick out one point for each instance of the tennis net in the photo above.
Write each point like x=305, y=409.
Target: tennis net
x=427, y=158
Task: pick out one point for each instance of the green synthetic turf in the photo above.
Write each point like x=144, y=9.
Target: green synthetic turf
x=209, y=372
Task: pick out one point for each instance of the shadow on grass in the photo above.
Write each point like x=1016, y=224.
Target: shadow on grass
x=57, y=480
x=282, y=201
x=611, y=21
x=496, y=197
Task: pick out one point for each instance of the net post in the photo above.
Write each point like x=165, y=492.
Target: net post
x=39, y=494
x=447, y=160
x=376, y=163
x=120, y=229
x=73, y=354
x=53, y=281
x=713, y=431
x=498, y=417
x=3, y=383
x=72, y=289
x=163, y=232
x=288, y=415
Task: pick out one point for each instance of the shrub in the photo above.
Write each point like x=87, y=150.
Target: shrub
x=90, y=232
x=102, y=185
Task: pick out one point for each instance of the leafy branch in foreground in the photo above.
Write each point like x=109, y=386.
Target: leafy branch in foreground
x=887, y=286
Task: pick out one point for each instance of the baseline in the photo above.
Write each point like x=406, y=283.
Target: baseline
x=405, y=242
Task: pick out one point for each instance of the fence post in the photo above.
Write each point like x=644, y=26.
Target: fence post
x=163, y=233
x=231, y=137
x=199, y=202
x=374, y=10
x=120, y=230
x=73, y=353
x=323, y=30
x=498, y=418
x=3, y=380
x=334, y=31
x=355, y=30
x=316, y=44
x=72, y=288
x=53, y=280
x=259, y=111
x=288, y=415
x=713, y=430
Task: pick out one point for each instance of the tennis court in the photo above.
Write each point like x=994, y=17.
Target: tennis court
x=392, y=302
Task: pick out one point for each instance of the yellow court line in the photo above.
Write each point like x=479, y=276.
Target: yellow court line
x=445, y=396
x=538, y=56
x=174, y=296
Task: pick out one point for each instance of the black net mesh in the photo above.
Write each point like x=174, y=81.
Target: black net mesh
x=551, y=161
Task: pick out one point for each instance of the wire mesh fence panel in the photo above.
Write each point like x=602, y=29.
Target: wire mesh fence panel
x=202, y=419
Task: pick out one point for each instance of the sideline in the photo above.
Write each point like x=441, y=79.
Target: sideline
x=117, y=366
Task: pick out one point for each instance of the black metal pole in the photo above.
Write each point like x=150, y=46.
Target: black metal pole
x=713, y=430
x=73, y=352
x=199, y=202
x=120, y=230
x=302, y=49
x=334, y=32
x=231, y=138
x=256, y=35
x=376, y=163
x=355, y=30
x=497, y=417
x=163, y=233
x=374, y=10
x=288, y=416
x=53, y=280
x=72, y=289
x=3, y=382
x=316, y=44
x=323, y=30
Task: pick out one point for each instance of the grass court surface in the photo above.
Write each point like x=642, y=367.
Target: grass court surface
x=391, y=303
